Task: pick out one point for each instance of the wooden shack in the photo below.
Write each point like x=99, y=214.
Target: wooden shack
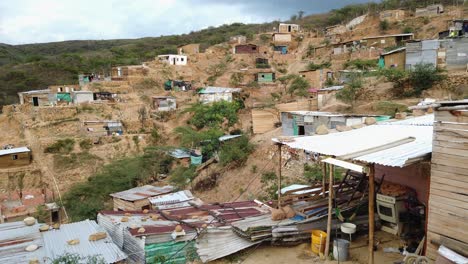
x=36, y=97
x=15, y=157
x=394, y=58
x=245, y=49
x=164, y=103
x=448, y=197
x=136, y=199
x=317, y=78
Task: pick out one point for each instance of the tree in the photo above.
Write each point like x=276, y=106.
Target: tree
x=293, y=18
x=424, y=76
x=384, y=25
x=300, y=14
x=351, y=92
x=142, y=116
x=299, y=86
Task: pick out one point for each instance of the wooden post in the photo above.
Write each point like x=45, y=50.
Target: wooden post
x=279, y=176
x=371, y=212
x=324, y=177
x=330, y=208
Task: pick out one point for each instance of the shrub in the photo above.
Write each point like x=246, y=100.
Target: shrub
x=359, y=64
x=61, y=146
x=390, y=108
x=207, y=140
x=181, y=176
x=86, y=144
x=408, y=29
x=74, y=160
x=270, y=185
x=299, y=87
x=236, y=79
x=215, y=114
x=313, y=67
x=235, y=151
x=423, y=77
x=384, y=25
x=351, y=92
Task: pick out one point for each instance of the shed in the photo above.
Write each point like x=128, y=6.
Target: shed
x=173, y=59
x=137, y=198
x=245, y=49
x=282, y=49
x=15, y=157
x=317, y=78
x=448, y=202
x=392, y=15
x=265, y=77
x=386, y=41
x=164, y=103
x=172, y=200
x=36, y=97
x=418, y=52
x=395, y=58
x=431, y=10
x=238, y=39
x=212, y=94
x=282, y=37
x=288, y=28
x=82, y=97
x=456, y=53
x=188, y=49
x=300, y=123
x=56, y=242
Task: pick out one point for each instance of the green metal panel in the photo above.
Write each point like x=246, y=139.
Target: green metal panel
x=64, y=97
x=171, y=252
x=295, y=127
x=265, y=77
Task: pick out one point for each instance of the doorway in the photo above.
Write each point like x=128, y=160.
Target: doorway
x=35, y=101
x=55, y=216
x=301, y=130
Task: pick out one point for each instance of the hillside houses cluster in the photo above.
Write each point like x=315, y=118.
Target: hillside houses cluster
x=406, y=176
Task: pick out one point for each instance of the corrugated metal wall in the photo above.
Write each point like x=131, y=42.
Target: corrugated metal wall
x=421, y=52
x=457, y=51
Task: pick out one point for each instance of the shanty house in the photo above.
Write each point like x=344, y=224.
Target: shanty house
x=386, y=40
x=212, y=94
x=261, y=63
x=419, y=52
x=188, y=49
x=93, y=241
x=394, y=59
x=136, y=199
x=265, y=77
x=104, y=96
x=392, y=15
x=317, y=78
x=37, y=97
x=456, y=53
x=288, y=28
x=431, y=10
x=15, y=157
x=103, y=128
x=282, y=49
x=173, y=200
x=245, y=49
x=282, y=37
x=15, y=237
x=164, y=103
x=300, y=123
x=173, y=59
x=239, y=39
x=79, y=97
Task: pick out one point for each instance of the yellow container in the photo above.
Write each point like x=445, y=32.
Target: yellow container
x=319, y=238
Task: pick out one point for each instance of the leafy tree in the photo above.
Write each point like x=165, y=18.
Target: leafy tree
x=299, y=86
x=213, y=115
x=235, y=151
x=424, y=76
x=313, y=67
x=61, y=146
x=181, y=176
x=359, y=64
x=300, y=14
x=384, y=25
x=351, y=92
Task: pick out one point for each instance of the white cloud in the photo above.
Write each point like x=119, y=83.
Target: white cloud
x=32, y=21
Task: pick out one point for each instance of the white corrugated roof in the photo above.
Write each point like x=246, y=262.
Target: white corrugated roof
x=372, y=137
x=15, y=237
x=142, y=192
x=13, y=151
x=425, y=120
x=212, y=89
x=172, y=200
x=55, y=242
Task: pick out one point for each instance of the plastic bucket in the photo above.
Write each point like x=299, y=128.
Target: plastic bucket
x=319, y=238
x=340, y=249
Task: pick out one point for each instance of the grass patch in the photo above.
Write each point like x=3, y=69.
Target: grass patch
x=390, y=108
x=75, y=160
x=63, y=146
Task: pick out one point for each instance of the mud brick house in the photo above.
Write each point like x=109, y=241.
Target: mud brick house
x=245, y=49
x=36, y=97
x=386, y=41
x=288, y=28
x=282, y=37
x=15, y=157
x=318, y=77
x=136, y=199
x=431, y=10
x=215, y=94
x=188, y=49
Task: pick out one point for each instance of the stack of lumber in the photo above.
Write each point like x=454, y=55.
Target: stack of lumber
x=448, y=201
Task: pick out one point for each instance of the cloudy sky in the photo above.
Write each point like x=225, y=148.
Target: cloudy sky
x=36, y=21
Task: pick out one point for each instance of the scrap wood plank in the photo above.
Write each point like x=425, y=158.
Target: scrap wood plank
x=449, y=169
x=453, y=210
x=450, y=139
x=455, y=245
x=449, y=162
x=435, y=208
x=450, y=144
x=447, y=116
x=445, y=200
x=461, y=197
x=452, y=125
x=452, y=151
x=449, y=227
x=449, y=185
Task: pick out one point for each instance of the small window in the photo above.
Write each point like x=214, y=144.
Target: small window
x=181, y=59
x=263, y=75
x=14, y=157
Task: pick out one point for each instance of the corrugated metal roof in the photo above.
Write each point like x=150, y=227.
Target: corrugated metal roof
x=330, y=114
x=425, y=120
x=332, y=88
x=56, y=242
x=35, y=91
x=228, y=137
x=14, y=150
x=179, y=153
x=394, y=51
x=220, y=242
x=372, y=137
x=142, y=192
x=212, y=89
x=172, y=200
x=393, y=35
x=15, y=237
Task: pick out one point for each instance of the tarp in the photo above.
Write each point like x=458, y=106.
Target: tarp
x=196, y=160
x=64, y=97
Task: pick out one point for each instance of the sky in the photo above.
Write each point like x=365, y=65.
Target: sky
x=38, y=21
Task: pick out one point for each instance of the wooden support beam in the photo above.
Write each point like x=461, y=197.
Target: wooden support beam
x=371, y=212
x=330, y=208
x=279, y=176
x=324, y=173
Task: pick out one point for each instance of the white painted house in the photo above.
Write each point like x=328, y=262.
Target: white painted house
x=173, y=59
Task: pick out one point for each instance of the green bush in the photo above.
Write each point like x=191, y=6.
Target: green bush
x=299, y=87
x=352, y=90
x=423, y=77
x=236, y=79
x=359, y=64
x=181, y=176
x=384, y=25
x=313, y=67
x=86, y=144
x=235, y=151
x=270, y=186
x=75, y=160
x=213, y=115
x=61, y=146
x=207, y=140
